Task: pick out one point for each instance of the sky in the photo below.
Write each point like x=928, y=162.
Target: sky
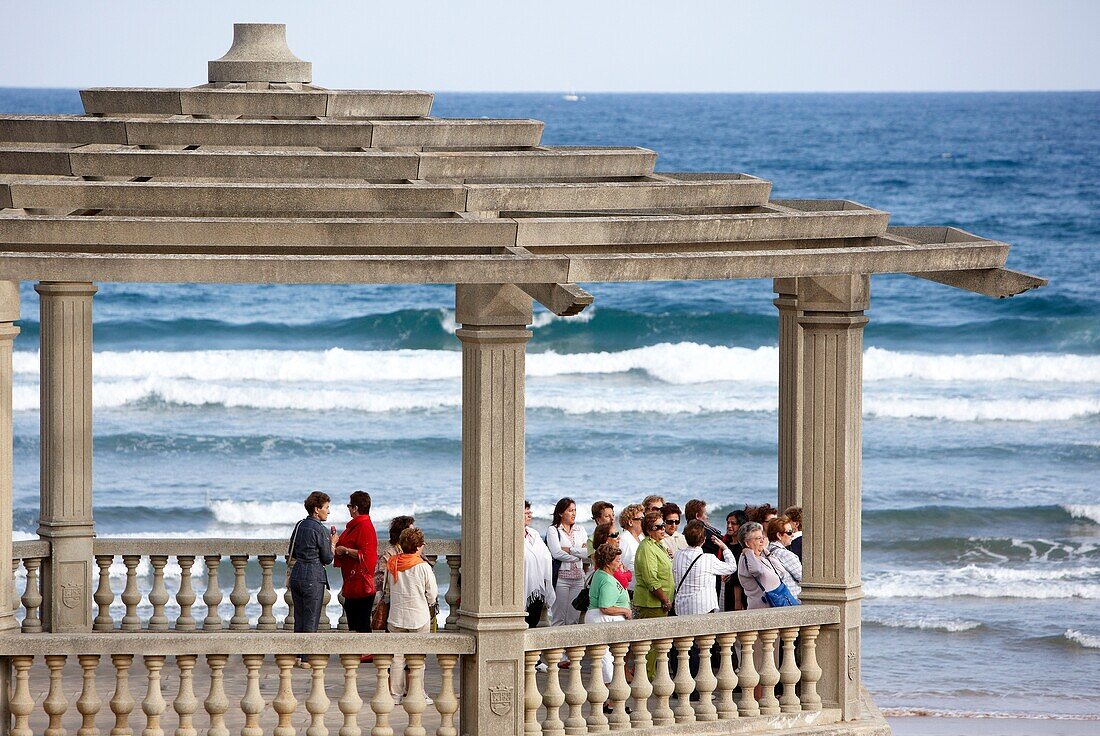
x=587, y=45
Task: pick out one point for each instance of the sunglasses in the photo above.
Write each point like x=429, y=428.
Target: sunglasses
x=658, y=526
x=672, y=522
x=787, y=532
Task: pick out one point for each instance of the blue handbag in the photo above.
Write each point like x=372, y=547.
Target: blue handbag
x=778, y=597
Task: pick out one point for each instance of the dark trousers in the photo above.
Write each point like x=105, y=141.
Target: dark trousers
x=358, y=611
x=534, y=613
x=308, y=596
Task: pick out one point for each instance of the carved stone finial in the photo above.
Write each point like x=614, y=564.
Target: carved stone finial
x=260, y=54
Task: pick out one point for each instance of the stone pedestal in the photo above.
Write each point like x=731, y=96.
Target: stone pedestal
x=66, y=485
x=790, y=393
x=832, y=324
x=494, y=337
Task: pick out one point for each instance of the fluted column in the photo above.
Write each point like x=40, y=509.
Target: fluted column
x=832, y=322
x=66, y=480
x=790, y=393
x=494, y=337
x=9, y=313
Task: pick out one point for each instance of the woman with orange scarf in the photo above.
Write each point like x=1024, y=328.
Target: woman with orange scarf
x=410, y=581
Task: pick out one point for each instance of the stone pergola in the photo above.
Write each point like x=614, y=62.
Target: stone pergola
x=262, y=177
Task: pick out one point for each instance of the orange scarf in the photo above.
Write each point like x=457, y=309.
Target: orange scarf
x=403, y=561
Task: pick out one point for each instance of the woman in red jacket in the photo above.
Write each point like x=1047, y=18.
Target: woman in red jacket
x=356, y=556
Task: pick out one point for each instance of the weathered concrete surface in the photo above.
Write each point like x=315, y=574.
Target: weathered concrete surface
x=260, y=54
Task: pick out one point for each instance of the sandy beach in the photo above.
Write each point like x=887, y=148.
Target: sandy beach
x=942, y=726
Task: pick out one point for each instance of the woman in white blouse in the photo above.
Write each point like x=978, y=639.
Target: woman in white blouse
x=538, y=579
x=568, y=544
x=694, y=572
x=410, y=582
x=787, y=564
x=630, y=521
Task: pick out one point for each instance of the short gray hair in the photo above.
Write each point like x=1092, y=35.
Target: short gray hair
x=746, y=529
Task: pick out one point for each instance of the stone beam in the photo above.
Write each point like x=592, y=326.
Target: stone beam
x=230, y=103
x=69, y=263
x=564, y=300
x=995, y=282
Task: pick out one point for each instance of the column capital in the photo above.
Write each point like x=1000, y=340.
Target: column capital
x=66, y=288
x=785, y=287
x=834, y=293
x=488, y=334
x=492, y=305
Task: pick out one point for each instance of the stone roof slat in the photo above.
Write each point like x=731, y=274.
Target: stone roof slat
x=35, y=160
x=542, y=163
x=619, y=195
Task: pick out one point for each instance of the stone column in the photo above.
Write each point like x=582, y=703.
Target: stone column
x=66, y=483
x=9, y=313
x=832, y=386
x=494, y=337
x=790, y=393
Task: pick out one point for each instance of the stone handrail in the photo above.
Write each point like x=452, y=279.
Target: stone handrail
x=730, y=673
x=152, y=599
x=710, y=624
x=168, y=668
x=228, y=642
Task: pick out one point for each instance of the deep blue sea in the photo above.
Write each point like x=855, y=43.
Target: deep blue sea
x=219, y=407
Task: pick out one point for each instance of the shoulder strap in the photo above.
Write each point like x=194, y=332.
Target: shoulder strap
x=294, y=536
x=685, y=577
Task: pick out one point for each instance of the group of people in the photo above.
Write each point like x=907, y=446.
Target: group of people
x=394, y=589
x=655, y=559
x=652, y=559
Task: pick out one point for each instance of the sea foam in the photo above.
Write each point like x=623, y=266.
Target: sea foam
x=1090, y=512
x=987, y=582
x=924, y=623
x=1088, y=641
x=676, y=363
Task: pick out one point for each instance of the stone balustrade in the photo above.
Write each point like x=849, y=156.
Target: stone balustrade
x=214, y=684
x=161, y=592
x=766, y=676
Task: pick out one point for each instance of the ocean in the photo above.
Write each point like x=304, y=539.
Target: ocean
x=217, y=408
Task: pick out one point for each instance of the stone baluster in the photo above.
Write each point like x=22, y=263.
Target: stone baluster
x=213, y=595
x=122, y=703
x=317, y=702
x=382, y=703
x=104, y=596
x=415, y=702
x=597, y=690
x=267, y=597
x=663, y=686
x=552, y=696
x=641, y=688
x=15, y=602
x=285, y=703
x=811, y=672
x=705, y=681
x=186, y=596
x=186, y=704
x=89, y=703
x=747, y=677
x=55, y=703
x=619, y=690
x=342, y=623
x=350, y=702
x=252, y=702
x=158, y=594
x=153, y=706
x=288, y=622
x=769, y=673
x=239, y=596
x=454, y=591
x=532, y=698
x=788, y=673
x=447, y=701
x=727, y=678
x=575, y=694
x=685, y=685
x=325, y=623
x=22, y=704
x=131, y=596
x=216, y=703
x=32, y=597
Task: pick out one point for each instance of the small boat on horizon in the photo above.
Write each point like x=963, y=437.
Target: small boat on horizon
x=572, y=96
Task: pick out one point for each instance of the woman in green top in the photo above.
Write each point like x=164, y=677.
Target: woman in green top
x=653, y=588
x=607, y=598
